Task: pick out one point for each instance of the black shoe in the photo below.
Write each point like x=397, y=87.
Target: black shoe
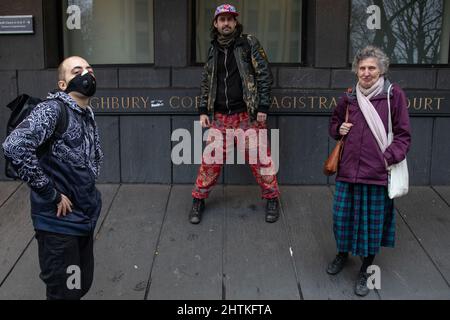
x=272, y=210
x=361, y=288
x=337, y=264
x=198, y=206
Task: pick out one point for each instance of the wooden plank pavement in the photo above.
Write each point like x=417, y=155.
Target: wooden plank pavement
x=146, y=249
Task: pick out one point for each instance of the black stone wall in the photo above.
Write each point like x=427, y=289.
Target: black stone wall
x=138, y=147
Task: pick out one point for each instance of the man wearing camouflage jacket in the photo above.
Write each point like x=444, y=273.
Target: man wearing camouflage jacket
x=235, y=92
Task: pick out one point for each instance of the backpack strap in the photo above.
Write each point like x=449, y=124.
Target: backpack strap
x=60, y=129
x=63, y=121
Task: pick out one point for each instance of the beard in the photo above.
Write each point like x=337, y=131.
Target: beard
x=226, y=30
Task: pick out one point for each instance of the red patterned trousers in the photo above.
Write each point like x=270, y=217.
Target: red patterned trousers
x=209, y=171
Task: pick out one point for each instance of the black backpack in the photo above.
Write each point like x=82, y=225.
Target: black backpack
x=21, y=108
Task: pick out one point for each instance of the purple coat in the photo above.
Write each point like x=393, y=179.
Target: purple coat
x=362, y=160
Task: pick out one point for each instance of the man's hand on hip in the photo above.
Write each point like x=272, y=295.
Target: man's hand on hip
x=204, y=120
x=261, y=117
x=64, y=206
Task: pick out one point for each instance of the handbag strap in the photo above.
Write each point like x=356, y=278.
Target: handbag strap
x=346, y=114
x=346, y=120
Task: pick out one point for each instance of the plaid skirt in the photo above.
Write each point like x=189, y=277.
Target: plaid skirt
x=363, y=218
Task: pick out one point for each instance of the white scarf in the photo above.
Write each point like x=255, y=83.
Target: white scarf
x=372, y=117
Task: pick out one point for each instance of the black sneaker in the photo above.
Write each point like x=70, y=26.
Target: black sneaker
x=272, y=210
x=198, y=206
x=337, y=264
x=361, y=288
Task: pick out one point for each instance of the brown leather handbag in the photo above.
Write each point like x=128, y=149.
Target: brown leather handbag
x=332, y=163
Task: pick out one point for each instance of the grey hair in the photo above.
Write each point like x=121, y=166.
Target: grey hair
x=371, y=52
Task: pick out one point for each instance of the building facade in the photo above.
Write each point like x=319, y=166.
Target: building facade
x=148, y=55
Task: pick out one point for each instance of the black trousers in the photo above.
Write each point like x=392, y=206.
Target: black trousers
x=67, y=264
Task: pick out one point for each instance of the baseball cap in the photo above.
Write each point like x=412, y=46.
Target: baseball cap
x=225, y=8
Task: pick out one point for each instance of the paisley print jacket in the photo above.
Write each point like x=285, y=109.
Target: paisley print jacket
x=70, y=167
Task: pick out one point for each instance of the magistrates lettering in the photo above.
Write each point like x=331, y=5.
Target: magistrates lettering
x=125, y=101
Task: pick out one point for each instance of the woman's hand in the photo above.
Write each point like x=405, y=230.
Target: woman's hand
x=345, y=128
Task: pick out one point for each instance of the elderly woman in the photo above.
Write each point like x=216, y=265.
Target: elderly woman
x=363, y=214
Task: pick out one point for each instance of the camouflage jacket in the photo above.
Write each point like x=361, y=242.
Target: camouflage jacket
x=255, y=74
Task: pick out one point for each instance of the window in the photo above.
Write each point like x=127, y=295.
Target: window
x=109, y=31
x=409, y=31
x=276, y=24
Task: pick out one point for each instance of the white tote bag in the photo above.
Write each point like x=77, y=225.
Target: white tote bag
x=398, y=177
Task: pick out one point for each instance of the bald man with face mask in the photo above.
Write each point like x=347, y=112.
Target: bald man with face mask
x=65, y=203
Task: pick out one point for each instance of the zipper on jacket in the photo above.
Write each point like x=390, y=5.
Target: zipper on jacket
x=359, y=157
x=85, y=136
x=211, y=99
x=226, y=77
x=84, y=120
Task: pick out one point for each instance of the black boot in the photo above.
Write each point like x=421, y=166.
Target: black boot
x=198, y=206
x=272, y=210
x=337, y=264
x=361, y=288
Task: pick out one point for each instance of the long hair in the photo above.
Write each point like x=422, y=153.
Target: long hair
x=214, y=33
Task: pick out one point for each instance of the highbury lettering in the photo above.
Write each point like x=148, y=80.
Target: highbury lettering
x=119, y=103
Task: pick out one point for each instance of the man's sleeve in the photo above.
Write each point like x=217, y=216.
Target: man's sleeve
x=204, y=86
x=20, y=148
x=264, y=78
x=98, y=152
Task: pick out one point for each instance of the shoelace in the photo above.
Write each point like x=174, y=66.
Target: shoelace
x=272, y=205
x=197, y=205
x=338, y=260
x=363, y=280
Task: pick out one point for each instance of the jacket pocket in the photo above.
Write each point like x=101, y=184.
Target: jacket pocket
x=39, y=204
x=85, y=198
x=246, y=56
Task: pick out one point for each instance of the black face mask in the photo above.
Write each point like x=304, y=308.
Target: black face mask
x=86, y=85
